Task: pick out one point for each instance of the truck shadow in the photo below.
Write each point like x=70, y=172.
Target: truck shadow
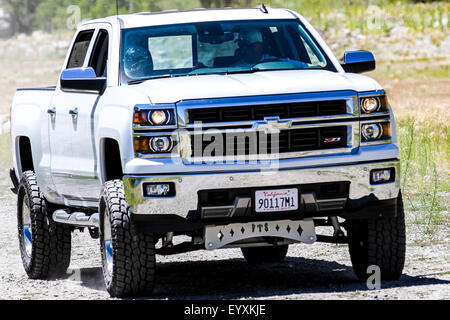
x=235, y=279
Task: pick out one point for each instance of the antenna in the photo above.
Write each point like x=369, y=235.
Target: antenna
x=117, y=9
x=263, y=8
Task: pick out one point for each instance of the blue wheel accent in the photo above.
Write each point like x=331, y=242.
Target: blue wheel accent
x=109, y=255
x=27, y=233
x=26, y=226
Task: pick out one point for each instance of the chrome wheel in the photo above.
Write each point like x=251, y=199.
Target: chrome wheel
x=26, y=225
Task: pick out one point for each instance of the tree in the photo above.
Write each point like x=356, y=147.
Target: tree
x=20, y=14
x=24, y=16
x=225, y=3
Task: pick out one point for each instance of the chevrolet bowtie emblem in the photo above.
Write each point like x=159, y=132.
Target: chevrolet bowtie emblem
x=272, y=125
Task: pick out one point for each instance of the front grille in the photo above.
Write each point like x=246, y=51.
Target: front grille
x=294, y=140
x=259, y=112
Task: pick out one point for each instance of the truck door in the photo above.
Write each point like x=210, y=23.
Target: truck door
x=63, y=118
x=87, y=184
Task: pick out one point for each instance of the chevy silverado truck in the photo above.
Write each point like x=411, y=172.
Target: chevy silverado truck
x=233, y=128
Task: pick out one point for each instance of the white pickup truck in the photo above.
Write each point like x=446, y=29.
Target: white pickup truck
x=232, y=128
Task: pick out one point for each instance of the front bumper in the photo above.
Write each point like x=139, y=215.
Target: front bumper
x=186, y=201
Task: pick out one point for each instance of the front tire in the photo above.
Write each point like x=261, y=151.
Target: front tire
x=128, y=258
x=378, y=242
x=45, y=246
x=265, y=254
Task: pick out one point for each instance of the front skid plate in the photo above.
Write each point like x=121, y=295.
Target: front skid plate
x=217, y=237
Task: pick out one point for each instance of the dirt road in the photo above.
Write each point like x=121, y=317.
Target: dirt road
x=321, y=271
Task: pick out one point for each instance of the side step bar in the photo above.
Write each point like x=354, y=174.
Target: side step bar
x=76, y=219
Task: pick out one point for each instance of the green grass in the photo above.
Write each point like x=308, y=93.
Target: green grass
x=425, y=152
x=370, y=16
x=422, y=69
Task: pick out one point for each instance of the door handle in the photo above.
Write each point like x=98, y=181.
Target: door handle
x=74, y=112
x=51, y=111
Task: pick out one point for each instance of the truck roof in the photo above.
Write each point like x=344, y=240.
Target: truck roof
x=145, y=19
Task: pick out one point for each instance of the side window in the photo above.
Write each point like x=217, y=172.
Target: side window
x=80, y=49
x=99, y=57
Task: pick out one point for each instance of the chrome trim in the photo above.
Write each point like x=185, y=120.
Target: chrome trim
x=376, y=114
x=353, y=143
x=79, y=219
x=188, y=185
x=138, y=128
x=367, y=121
x=377, y=142
x=184, y=106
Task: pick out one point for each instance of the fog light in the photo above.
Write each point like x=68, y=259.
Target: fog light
x=161, y=144
x=372, y=131
x=382, y=176
x=159, y=190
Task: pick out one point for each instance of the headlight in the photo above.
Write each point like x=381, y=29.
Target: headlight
x=374, y=104
x=154, y=117
x=370, y=105
x=372, y=131
x=159, y=117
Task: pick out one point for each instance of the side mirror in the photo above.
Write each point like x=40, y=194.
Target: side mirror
x=83, y=79
x=358, y=61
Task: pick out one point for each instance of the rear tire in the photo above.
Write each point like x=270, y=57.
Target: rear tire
x=378, y=242
x=45, y=246
x=128, y=258
x=265, y=254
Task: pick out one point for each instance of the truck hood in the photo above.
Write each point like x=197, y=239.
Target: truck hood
x=173, y=90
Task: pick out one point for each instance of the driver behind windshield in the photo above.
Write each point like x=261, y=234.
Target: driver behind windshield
x=252, y=51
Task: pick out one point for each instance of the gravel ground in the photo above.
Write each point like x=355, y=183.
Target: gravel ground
x=320, y=271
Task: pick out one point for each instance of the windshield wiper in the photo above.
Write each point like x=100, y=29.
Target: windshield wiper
x=252, y=70
x=138, y=81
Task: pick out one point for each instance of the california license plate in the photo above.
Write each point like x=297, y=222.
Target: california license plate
x=276, y=200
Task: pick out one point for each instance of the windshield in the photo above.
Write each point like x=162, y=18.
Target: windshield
x=218, y=47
